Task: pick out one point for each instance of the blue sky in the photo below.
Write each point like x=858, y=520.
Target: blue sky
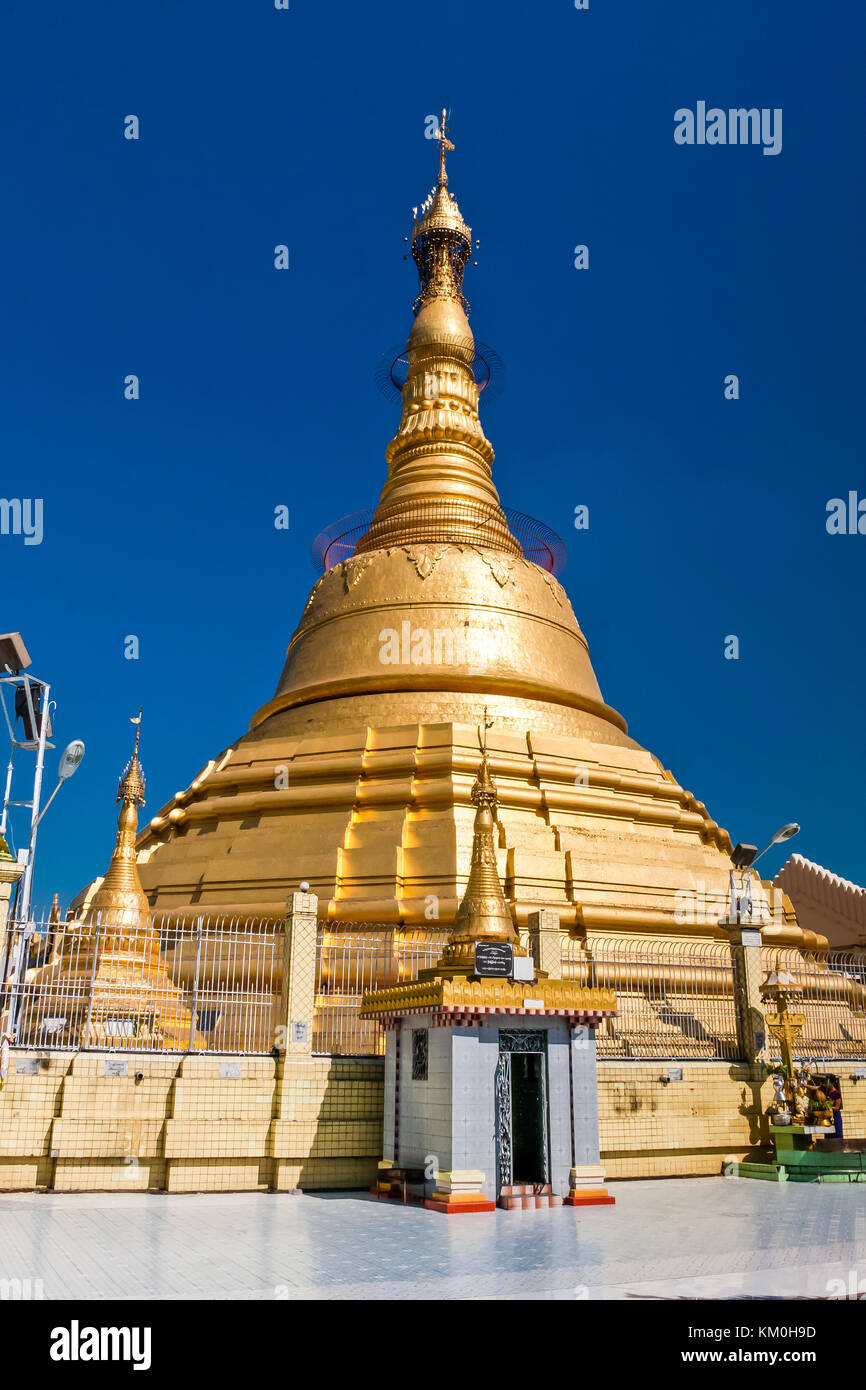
x=306, y=127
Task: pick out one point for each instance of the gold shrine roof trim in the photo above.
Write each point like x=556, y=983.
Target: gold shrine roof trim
x=466, y=998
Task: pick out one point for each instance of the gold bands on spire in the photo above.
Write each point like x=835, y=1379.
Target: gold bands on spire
x=439, y=486
x=121, y=890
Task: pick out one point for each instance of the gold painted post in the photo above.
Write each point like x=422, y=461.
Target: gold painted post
x=297, y=1000
x=745, y=941
x=545, y=940
x=786, y=1028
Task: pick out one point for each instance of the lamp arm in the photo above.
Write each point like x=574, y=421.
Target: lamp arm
x=761, y=855
x=48, y=803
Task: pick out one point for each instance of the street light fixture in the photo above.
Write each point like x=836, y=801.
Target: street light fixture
x=787, y=832
x=70, y=761
x=743, y=858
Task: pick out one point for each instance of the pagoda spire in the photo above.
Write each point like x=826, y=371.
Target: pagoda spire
x=121, y=890
x=439, y=486
x=483, y=914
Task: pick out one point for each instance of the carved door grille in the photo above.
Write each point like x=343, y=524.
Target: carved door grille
x=512, y=1040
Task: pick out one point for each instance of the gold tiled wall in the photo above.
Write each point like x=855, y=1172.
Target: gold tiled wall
x=328, y=1127
x=210, y=1123
x=650, y=1128
x=28, y=1106
x=189, y=1124
x=110, y=1129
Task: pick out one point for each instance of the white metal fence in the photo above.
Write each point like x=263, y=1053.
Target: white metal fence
x=674, y=999
x=831, y=996
x=158, y=983
x=178, y=982
x=351, y=959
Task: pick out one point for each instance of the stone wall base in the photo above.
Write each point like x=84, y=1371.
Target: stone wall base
x=653, y=1128
x=209, y=1123
x=205, y=1123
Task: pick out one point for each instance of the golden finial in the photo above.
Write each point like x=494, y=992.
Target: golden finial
x=488, y=724
x=441, y=241
x=444, y=144
x=131, y=785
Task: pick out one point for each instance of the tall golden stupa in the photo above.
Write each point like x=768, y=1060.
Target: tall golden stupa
x=357, y=774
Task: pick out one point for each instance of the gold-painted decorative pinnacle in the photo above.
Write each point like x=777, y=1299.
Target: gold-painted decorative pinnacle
x=121, y=891
x=131, y=785
x=484, y=788
x=483, y=914
x=444, y=144
x=441, y=241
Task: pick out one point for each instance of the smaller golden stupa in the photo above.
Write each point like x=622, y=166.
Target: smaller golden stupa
x=108, y=985
x=483, y=914
x=452, y=987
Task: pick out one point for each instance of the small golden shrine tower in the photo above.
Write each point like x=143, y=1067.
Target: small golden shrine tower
x=513, y=1050
x=108, y=985
x=483, y=914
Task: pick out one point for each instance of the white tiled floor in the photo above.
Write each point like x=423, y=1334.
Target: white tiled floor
x=680, y=1238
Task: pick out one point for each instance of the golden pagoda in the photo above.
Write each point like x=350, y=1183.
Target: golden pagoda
x=107, y=984
x=357, y=774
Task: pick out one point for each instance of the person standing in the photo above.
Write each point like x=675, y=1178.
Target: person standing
x=834, y=1095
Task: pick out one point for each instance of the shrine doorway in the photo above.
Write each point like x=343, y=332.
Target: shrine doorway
x=522, y=1147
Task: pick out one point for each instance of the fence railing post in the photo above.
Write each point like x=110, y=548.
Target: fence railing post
x=86, y=1039
x=745, y=943
x=193, y=1016
x=297, y=998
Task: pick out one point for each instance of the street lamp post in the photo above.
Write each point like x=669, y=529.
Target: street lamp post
x=744, y=858
x=70, y=760
x=746, y=942
x=32, y=706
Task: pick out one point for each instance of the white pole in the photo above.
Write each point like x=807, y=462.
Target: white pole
x=8, y=789
x=27, y=881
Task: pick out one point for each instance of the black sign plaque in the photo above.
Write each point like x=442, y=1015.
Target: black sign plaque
x=494, y=958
